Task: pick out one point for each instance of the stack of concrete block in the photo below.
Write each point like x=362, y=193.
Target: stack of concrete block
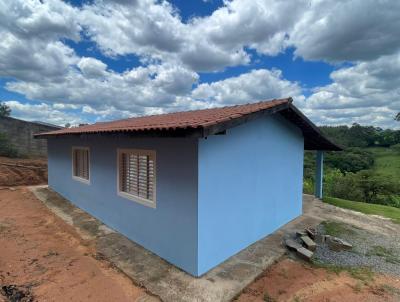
x=310, y=238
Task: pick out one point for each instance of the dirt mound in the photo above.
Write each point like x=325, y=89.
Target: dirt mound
x=17, y=172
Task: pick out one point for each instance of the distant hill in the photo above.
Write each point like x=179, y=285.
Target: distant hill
x=362, y=136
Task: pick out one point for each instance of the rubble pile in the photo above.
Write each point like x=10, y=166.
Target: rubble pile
x=306, y=241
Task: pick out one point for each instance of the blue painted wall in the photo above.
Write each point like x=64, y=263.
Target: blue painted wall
x=250, y=184
x=215, y=196
x=170, y=230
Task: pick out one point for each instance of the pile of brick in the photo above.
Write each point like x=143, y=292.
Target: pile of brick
x=306, y=243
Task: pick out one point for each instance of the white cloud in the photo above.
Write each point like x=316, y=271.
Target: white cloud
x=33, y=60
x=61, y=114
x=257, y=85
x=44, y=112
x=137, y=89
x=139, y=27
x=30, y=31
x=34, y=53
x=154, y=30
x=92, y=68
x=260, y=24
x=367, y=93
x=41, y=20
x=347, y=30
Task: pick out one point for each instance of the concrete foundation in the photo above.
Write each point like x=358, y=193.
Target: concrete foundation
x=162, y=279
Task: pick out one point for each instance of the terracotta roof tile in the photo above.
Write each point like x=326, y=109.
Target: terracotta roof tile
x=206, y=122
x=173, y=121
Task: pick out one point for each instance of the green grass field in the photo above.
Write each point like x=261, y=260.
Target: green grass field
x=387, y=162
x=366, y=208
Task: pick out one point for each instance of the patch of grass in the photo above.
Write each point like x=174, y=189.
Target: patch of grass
x=357, y=287
x=332, y=268
x=366, y=208
x=390, y=289
x=386, y=253
x=268, y=298
x=387, y=162
x=380, y=251
x=364, y=274
x=337, y=229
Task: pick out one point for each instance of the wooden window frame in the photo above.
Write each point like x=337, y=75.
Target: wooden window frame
x=144, y=201
x=75, y=177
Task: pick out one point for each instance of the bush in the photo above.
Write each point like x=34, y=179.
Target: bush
x=308, y=186
x=6, y=148
x=341, y=185
x=362, y=186
x=375, y=188
x=395, y=148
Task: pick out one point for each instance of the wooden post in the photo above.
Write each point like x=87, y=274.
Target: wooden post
x=319, y=174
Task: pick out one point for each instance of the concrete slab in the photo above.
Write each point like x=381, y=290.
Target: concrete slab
x=305, y=254
x=310, y=244
x=166, y=281
x=292, y=245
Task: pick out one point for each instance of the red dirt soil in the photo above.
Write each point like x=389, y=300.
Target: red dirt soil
x=17, y=172
x=47, y=260
x=290, y=280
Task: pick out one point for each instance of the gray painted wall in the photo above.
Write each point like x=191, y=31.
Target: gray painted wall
x=20, y=133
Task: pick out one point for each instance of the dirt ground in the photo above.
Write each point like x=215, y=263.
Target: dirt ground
x=294, y=281
x=44, y=259
x=17, y=172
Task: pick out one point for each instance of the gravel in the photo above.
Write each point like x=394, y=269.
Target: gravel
x=378, y=252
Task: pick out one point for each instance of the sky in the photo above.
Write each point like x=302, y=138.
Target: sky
x=88, y=61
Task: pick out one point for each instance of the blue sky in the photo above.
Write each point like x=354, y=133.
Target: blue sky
x=87, y=61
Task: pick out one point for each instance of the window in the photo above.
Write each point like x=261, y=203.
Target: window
x=80, y=164
x=137, y=175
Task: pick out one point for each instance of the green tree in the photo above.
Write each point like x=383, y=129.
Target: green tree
x=350, y=160
x=4, y=110
x=397, y=117
x=362, y=136
x=374, y=187
x=342, y=185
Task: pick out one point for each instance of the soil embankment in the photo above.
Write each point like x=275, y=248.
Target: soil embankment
x=19, y=172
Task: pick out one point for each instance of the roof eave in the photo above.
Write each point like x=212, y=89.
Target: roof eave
x=314, y=139
x=222, y=126
x=180, y=132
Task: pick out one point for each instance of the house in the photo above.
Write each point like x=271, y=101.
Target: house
x=193, y=187
x=20, y=134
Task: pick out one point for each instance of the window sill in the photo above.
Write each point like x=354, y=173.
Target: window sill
x=82, y=180
x=142, y=201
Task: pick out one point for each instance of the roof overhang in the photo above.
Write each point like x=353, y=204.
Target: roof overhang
x=313, y=137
